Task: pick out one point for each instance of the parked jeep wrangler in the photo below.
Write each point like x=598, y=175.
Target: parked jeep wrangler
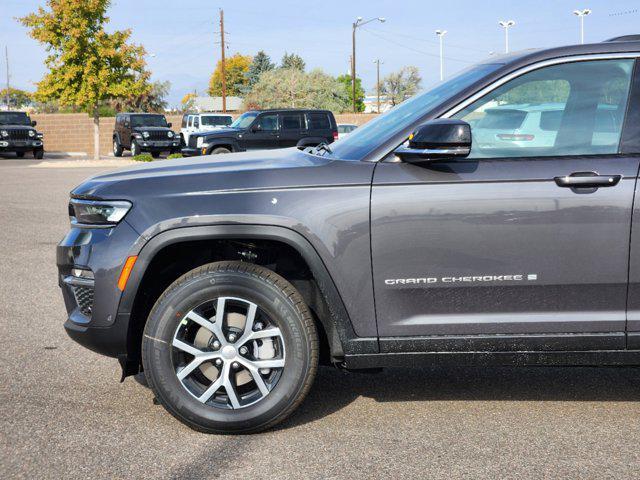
x=265, y=129
x=202, y=122
x=18, y=135
x=144, y=132
x=407, y=243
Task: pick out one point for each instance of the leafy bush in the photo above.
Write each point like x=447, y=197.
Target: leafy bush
x=175, y=155
x=143, y=157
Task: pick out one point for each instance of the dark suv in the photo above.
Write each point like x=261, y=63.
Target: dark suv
x=265, y=129
x=144, y=132
x=18, y=135
x=410, y=242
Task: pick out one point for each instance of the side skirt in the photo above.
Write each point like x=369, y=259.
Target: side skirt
x=549, y=358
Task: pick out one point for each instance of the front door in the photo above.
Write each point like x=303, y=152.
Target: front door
x=263, y=133
x=529, y=236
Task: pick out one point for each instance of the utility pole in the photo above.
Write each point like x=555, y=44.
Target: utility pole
x=441, y=34
x=378, y=62
x=358, y=23
x=581, y=14
x=6, y=55
x=224, y=75
x=506, y=24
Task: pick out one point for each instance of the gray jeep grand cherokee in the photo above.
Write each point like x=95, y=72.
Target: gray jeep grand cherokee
x=227, y=279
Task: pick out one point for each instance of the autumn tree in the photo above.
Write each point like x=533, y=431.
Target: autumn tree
x=87, y=65
x=400, y=85
x=345, y=81
x=236, y=68
x=291, y=60
x=293, y=88
x=188, y=102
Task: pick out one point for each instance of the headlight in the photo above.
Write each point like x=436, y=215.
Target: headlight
x=200, y=142
x=32, y=133
x=4, y=133
x=40, y=135
x=145, y=134
x=100, y=213
x=170, y=134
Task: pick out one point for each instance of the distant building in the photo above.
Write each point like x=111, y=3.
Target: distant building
x=214, y=104
x=371, y=104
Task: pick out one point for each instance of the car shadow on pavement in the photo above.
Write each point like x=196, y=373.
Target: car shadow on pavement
x=335, y=389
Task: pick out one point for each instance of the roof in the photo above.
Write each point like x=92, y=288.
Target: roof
x=214, y=104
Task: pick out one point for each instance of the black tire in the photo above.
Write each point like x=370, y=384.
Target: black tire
x=219, y=150
x=20, y=154
x=281, y=304
x=135, y=148
x=117, y=148
x=182, y=142
x=155, y=154
x=38, y=154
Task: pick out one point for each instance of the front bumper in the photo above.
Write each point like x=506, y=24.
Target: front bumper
x=159, y=145
x=94, y=319
x=191, y=152
x=8, y=145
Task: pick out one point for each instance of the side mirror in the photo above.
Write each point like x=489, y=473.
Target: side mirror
x=438, y=139
x=33, y=123
x=169, y=124
x=256, y=128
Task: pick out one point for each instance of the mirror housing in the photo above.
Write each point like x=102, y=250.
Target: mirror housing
x=169, y=125
x=256, y=128
x=439, y=139
x=33, y=123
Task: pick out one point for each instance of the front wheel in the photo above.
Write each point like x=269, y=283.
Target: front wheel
x=117, y=148
x=230, y=347
x=38, y=154
x=135, y=148
x=220, y=150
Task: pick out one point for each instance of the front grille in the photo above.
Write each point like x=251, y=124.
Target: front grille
x=84, y=298
x=19, y=134
x=193, y=141
x=158, y=135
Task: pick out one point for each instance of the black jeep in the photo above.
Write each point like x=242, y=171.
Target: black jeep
x=18, y=135
x=266, y=129
x=144, y=132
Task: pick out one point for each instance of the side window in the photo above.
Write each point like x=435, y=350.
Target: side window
x=268, y=122
x=318, y=121
x=190, y=121
x=570, y=109
x=291, y=121
x=196, y=122
x=184, y=121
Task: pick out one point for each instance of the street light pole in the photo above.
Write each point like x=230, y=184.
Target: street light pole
x=355, y=25
x=581, y=14
x=441, y=34
x=506, y=24
x=378, y=62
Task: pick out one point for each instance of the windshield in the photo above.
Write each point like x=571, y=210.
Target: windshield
x=244, y=120
x=365, y=139
x=14, y=118
x=148, y=121
x=216, y=120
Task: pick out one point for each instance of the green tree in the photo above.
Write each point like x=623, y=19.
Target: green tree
x=17, y=98
x=236, y=68
x=261, y=63
x=281, y=88
x=291, y=60
x=87, y=65
x=188, y=102
x=345, y=81
x=400, y=85
x=152, y=100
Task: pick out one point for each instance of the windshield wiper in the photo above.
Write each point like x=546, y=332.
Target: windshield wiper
x=323, y=146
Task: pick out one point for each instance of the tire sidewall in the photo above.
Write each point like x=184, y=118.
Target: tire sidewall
x=187, y=296
x=135, y=148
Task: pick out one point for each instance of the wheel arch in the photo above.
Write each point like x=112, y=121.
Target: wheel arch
x=321, y=293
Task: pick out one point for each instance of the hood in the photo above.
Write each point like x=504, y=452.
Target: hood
x=151, y=129
x=16, y=127
x=264, y=169
x=219, y=132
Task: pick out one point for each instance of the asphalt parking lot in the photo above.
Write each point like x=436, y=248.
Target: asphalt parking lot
x=64, y=414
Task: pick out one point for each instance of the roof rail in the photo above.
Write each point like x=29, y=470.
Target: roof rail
x=625, y=38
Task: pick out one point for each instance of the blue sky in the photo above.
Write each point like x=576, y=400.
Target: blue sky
x=181, y=35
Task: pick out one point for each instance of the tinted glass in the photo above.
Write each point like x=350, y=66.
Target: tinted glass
x=14, y=118
x=502, y=119
x=196, y=122
x=184, y=120
x=244, y=120
x=571, y=109
x=148, y=121
x=366, y=138
x=318, y=121
x=216, y=120
x=291, y=121
x=268, y=122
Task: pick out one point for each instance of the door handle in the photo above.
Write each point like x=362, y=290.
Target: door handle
x=587, y=180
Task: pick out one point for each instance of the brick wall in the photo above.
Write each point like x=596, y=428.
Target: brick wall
x=73, y=132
